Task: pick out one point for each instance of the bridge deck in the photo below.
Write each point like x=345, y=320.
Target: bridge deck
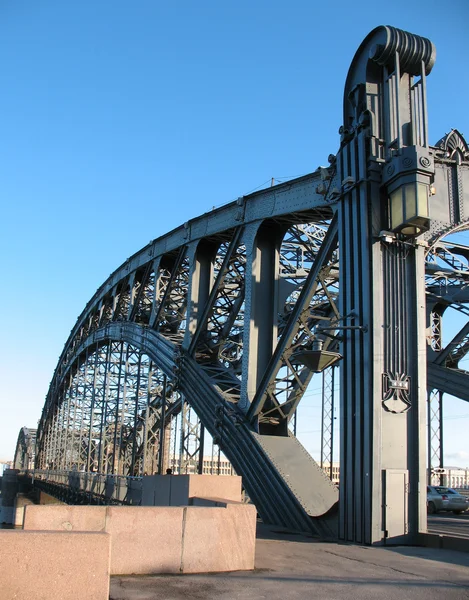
x=297, y=567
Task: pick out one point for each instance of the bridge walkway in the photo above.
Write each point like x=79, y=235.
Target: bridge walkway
x=294, y=567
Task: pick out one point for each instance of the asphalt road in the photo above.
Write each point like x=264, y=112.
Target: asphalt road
x=449, y=524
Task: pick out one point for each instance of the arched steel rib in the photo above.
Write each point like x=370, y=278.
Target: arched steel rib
x=286, y=485
x=449, y=381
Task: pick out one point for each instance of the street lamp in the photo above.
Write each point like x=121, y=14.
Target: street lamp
x=408, y=208
x=407, y=178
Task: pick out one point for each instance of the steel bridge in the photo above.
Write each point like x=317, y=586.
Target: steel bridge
x=218, y=328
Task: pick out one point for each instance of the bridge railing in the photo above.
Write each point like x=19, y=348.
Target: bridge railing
x=98, y=487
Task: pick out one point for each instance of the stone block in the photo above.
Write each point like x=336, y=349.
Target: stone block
x=145, y=540
x=18, y=516
x=219, y=539
x=150, y=540
x=50, y=565
x=21, y=502
x=65, y=518
x=215, y=486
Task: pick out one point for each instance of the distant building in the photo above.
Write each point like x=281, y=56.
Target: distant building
x=211, y=466
x=453, y=477
x=326, y=467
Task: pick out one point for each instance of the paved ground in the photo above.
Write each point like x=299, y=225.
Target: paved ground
x=291, y=567
x=449, y=524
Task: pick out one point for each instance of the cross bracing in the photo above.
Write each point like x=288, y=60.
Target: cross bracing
x=213, y=325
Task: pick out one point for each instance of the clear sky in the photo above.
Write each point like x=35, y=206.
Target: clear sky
x=121, y=120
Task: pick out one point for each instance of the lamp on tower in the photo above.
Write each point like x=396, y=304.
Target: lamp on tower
x=408, y=208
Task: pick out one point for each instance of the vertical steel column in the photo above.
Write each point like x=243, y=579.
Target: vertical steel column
x=183, y=454
x=435, y=434
x=91, y=454
x=84, y=410
x=118, y=413
x=382, y=293
x=327, y=419
x=72, y=425
x=435, y=325
x=53, y=440
x=150, y=433
x=135, y=420
x=174, y=441
x=64, y=424
x=163, y=428
x=200, y=466
x=260, y=317
x=435, y=402
x=200, y=284
x=123, y=465
x=191, y=444
x=103, y=397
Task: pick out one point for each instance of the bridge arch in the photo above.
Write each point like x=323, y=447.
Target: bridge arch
x=236, y=309
x=185, y=309
x=25, y=452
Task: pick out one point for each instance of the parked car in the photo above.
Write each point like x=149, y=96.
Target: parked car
x=444, y=498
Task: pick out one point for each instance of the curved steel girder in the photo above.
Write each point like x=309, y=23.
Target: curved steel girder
x=450, y=381
x=147, y=340
x=273, y=203
x=432, y=237
x=447, y=277
x=286, y=485
x=25, y=448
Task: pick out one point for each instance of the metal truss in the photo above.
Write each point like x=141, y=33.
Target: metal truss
x=108, y=417
x=114, y=409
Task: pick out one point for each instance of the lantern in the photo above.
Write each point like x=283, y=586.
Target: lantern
x=408, y=208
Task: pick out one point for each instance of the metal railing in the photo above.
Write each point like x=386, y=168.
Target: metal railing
x=96, y=487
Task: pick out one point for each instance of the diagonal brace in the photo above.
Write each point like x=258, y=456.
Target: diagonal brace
x=325, y=252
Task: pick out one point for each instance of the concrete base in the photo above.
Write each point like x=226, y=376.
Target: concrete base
x=145, y=539
x=150, y=540
x=219, y=539
x=50, y=565
x=65, y=518
x=177, y=490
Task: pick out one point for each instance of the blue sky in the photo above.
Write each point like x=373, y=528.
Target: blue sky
x=121, y=120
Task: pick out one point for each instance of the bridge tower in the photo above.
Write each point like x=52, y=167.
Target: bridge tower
x=386, y=172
